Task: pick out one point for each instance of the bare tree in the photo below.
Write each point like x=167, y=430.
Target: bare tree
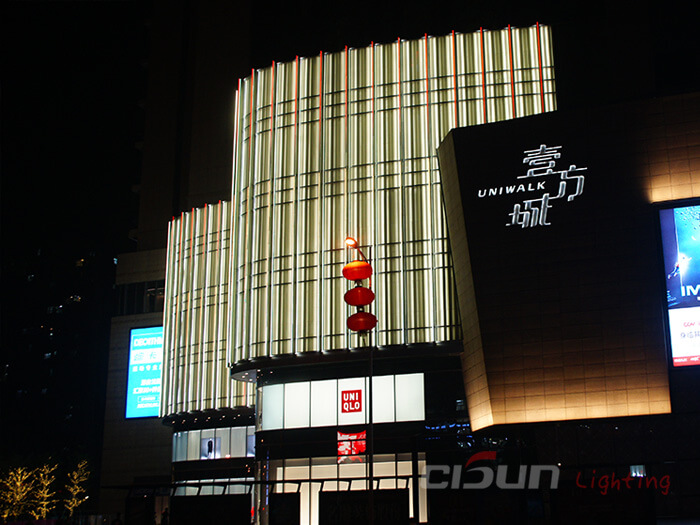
x=16, y=491
x=43, y=497
x=76, y=487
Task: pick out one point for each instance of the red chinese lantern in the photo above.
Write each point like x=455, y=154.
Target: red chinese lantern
x=362, y=322
x=359, y=296
x=357, y=271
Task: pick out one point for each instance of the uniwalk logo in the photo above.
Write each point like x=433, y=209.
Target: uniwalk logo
x=546, y=184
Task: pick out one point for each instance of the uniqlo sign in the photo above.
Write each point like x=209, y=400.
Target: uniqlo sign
x=351, y=401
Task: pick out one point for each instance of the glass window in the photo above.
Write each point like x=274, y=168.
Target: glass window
x=250, y=442
x=238, y=442
x=296, y=404
x=272, y=412
x=383, y=399
x=324, y=411
x=409, y=397
x=225, y=435
x=193, y=445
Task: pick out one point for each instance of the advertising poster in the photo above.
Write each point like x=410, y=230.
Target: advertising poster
x=680, y=232
x=144, y=379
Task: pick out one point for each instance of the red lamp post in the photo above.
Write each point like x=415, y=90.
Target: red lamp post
x=363, y=322
x=359, y=297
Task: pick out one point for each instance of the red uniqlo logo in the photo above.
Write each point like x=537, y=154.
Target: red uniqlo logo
x=351, y=401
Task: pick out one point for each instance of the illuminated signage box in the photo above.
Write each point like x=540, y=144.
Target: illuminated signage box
x=561, y=236
x=331, y=402
x=680, y=234
x=556, y=258
x=144, y=372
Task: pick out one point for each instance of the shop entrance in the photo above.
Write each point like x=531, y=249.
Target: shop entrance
x=352, y=507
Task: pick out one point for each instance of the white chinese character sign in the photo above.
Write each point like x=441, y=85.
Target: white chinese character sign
x=545, y=181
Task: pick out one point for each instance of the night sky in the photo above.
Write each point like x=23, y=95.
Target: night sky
x=74, y=79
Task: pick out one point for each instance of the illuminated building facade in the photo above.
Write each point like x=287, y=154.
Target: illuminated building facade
x=340, y=144
x=528, y=339
x=309, y=169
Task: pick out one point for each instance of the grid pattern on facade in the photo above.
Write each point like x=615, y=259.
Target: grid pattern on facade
x=341, y=144
x=196, y=374
x=345, y=144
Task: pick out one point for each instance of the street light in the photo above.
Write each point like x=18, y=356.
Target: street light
x=352, y=243
x=363, y=322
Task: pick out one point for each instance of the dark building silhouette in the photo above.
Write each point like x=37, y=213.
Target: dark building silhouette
x=608, y=404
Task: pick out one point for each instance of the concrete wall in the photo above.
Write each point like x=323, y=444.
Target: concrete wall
x=134, y=450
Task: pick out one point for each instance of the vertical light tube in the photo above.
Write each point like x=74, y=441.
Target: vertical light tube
x=216, y=386
x=191, y=370
x=249, y=252
x=203, y=332
x=375, y=183
x=483, y=73
x=344, y=156
x=454, y=79
x=512, y=74
x=539, y=63
x=271, y=218
x=402, y=200
x=427, y=137
x=295, y=163
x=321, y=216
x=168, y=326
x=231, y=355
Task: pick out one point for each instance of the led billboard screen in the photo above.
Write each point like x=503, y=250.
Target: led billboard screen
x=144, y=380
x=680, y=234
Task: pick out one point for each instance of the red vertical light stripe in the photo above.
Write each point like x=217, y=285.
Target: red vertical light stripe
x=427, y=88
x=250, y=135
x=272, y=83
x=272, y=104
x=427, y=81
x=203, y=293
x=483, y=72
x=192, y=234
x=346, y=94
x=512, y=71
x=373, y=130
x=218, y=233
x=454, y=75
x=320, y=100
x=539, y=60
x=180, y=290
x=399, y=68
x=296, y=93
x=192, y=284
x=235, y=133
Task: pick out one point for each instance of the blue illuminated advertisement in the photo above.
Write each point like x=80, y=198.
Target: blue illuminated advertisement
x=680, y=233
x=144, y=379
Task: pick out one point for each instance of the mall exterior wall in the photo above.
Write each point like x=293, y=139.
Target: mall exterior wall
x=556, y=251
x=325, y=147
x=132, y=449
